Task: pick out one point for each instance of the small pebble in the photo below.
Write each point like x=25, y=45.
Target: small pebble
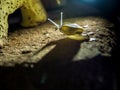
x=32, y=66
x=26, y=65
x=92, y=39
x=26, y=51
x=84, y=34
x=90, y=33
x=47, y=35
x=86, y=26
x=97, y=29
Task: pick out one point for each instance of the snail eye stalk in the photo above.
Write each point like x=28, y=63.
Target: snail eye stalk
x=61, y=19
x=54, y=23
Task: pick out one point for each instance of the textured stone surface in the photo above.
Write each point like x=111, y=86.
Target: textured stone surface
x=32, y=11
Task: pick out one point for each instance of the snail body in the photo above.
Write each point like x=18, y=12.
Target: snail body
x=72, y=30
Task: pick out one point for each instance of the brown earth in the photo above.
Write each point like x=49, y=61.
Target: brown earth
x=42, y=58
x=30, y=45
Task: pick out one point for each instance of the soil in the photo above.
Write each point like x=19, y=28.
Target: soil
x=26, y=44
x=42, y=58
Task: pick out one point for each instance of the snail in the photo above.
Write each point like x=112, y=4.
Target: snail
x=72, y=30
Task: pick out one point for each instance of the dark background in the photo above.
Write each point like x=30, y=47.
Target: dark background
x=77, y=8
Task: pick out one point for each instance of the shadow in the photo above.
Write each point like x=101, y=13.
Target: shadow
x=94, y=74
x=63, y=52
x=57, y=71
